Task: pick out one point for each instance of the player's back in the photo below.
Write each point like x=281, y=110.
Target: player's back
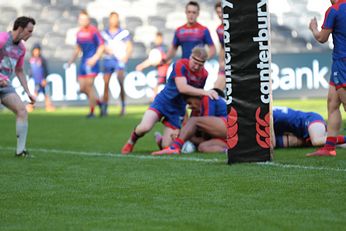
x=289, y=120
x=213, y=107
x=335, y=19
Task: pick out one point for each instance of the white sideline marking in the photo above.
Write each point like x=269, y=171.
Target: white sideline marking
x=145, y=157
x=301, y=167
x=193, y=159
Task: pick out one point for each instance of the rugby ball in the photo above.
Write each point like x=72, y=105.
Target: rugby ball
x=188, y=147
x=155, y=57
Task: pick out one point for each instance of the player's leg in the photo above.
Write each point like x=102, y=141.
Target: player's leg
x=106, y=78
x=212, y=125
x=342, y=95
x=186, y=132
x=88, y=88
x=220, y=82
x=149, y=119
x=169, y=134
x=213, y=145
x=317, y=133
x=288, y=140
x=14, y=103
x=121, y=77
x=333, y=124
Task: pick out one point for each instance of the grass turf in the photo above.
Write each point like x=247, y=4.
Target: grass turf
x=76, y=180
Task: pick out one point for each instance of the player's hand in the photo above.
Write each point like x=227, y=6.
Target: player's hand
x=139, y=67
x=212, y=94
x=313, y=24
x=32, y=98
x=44, y=83
x=3, y=82
x=91, y=62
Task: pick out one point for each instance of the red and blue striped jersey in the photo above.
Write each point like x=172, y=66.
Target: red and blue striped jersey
x=189, y=37
x=335, y=19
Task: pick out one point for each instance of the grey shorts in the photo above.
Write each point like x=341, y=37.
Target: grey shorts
x=6, y=90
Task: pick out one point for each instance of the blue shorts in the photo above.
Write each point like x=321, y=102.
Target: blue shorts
x=112, y=65
x=40, y=89
x=172, y=116
x=338, y=74
x=312, y=118
x=87, y=71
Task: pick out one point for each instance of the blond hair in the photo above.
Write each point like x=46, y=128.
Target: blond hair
x=200, y=53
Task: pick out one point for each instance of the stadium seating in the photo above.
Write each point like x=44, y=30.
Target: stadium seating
x=143, y=18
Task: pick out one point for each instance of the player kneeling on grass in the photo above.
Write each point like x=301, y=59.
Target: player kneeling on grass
x=187, y=77
x=295, y=128
x=212, y=123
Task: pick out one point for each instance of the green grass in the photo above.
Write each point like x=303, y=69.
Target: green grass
x=77, y=180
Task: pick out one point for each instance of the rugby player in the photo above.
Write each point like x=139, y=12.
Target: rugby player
x=211, y=124
x=187, y=77
x=220, y=82
x=161, y=67
x=335, y=24
x=91, y=44
x=12, y=53
x=191, y=34
x=295, y=128
x=118, y=49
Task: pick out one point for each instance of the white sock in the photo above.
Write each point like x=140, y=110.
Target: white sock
x=22, y=131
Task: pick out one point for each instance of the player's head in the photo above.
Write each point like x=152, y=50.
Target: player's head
x=219, y=92
x=218, y=9
x=24, y=26
x=198, y=57
x=114, y=19
x=333, y=1
x=83, y=18
x=192, y=12
x=193, y=102
x=36, y=50
x=158, y=38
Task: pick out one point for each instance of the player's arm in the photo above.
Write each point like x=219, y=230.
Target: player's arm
x=321, y=36
x=170, y=54
x=129, y=48
x=143, y=65
x=22, y=79
x=75, y=54
x=208, y=40
x=92, y=61
x=211, y=52
x=187, y=89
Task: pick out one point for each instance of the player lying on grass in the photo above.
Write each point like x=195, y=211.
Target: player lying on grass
x=295, y=128
x=211, y=124
x=187, y=77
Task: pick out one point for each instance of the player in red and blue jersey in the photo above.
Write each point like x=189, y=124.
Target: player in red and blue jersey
x=294, y=128
x=335, y=24
x=91, y=44
x=220, y=82
x=191, y=34
x=208, y=130
x=188, y=77
x=12, y=53
x=118, y=49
